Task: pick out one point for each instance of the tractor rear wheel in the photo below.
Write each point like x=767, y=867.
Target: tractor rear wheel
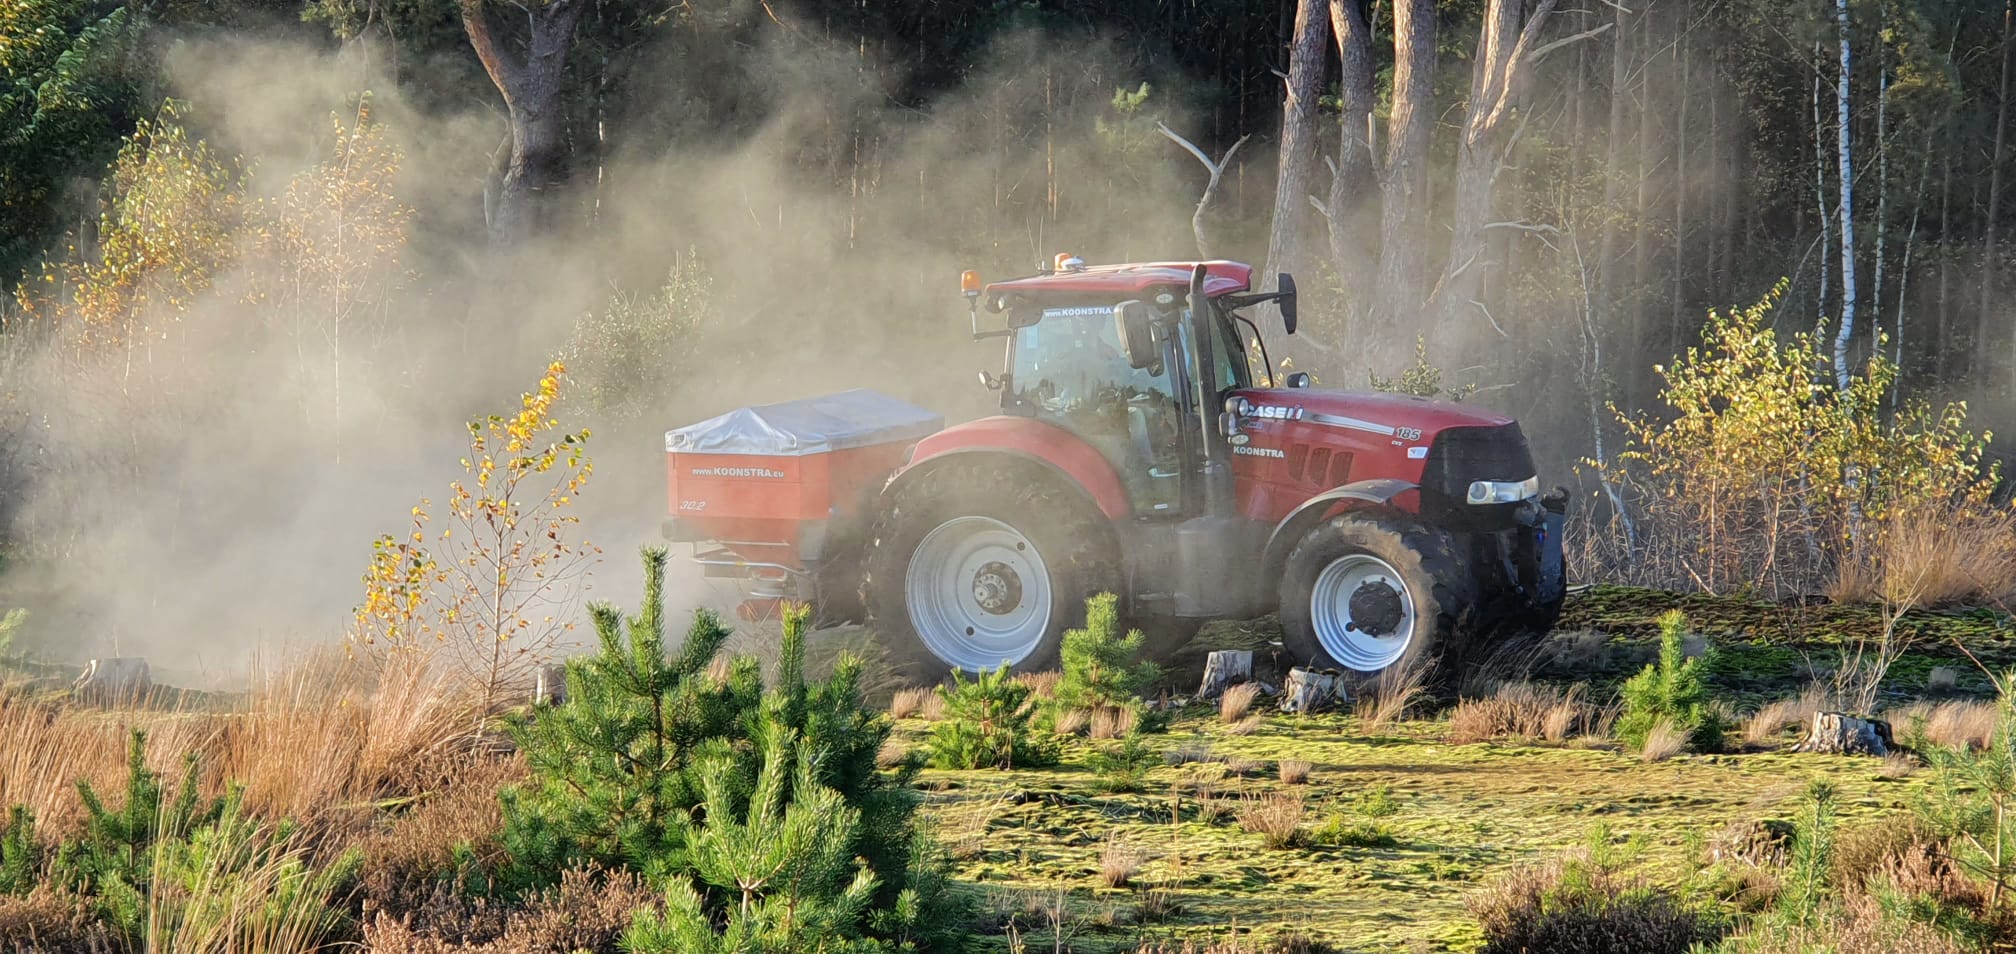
x=1366, y=594
x=976, y=565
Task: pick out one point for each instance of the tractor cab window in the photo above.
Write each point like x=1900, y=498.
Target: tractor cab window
x=1229, y=347
x=1071, y=369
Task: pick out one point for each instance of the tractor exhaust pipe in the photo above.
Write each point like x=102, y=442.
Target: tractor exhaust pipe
x=1204, y=359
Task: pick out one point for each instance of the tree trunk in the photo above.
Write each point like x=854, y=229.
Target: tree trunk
x=1298, y=138
x=1989, y=246
x=1844, y=157
x=1355, y=178
x=1404, y=181
x=1224, y=669
x=531, y=89
x=1613, y=177
x=1311, y=690
x=1836, y=733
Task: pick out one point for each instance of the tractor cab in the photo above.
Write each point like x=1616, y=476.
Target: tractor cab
x=1112, y=355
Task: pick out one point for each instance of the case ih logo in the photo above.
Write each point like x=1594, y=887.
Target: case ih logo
x=1277, y=412
x=736, y=472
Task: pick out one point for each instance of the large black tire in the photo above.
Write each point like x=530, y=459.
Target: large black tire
x=1435, y=586
x=1072, y=539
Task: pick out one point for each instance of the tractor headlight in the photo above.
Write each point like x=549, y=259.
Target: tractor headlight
x=1503, y=491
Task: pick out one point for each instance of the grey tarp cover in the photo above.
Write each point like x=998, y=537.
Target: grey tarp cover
x=856, y=418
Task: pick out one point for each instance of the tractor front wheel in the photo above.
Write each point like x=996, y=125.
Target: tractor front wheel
x=1366, y=595
x=974, y=567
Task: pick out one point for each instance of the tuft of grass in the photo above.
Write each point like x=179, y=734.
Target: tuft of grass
x=1525, y=711
x=1663, y=741
x=1392, y=696
x=1294, y=771
x=1774, y=718
x=1072, y=721
x=1189, y=752
x=1248, y=725
x=1042, y=685
x=1963, y=726
x=1233, y=705
x=1276, y=817
x=908, y=702
x=1897, y=765
x=1113, y=722
x=1119, y=862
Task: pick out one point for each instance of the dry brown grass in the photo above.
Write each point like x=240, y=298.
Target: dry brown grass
x=1233, y=705
x=1248, y=725
x=1276, y=817
x=45, y=921
x=908, y=702
x=314, y=740
x=1663, y=742
x=1119, y=862
x=1042, y=685
x=891, y=754
x=1294, y=771
x=1073, y=721
x=1568, y=906
x=405, y=856
x=933, y=708
x=1953, y=725
x=1113, y=722
x=1525, y=711
x=1389, y=698
x=1774, y=718
x=1935, y=556
x=588, y=911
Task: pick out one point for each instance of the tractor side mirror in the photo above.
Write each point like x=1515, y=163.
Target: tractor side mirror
x=1298, y=379
x=1284, y=285
x=1023, y=316
x=1136, y=326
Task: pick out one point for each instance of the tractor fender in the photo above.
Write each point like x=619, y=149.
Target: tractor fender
x=1064, y=455
x=1382, y=493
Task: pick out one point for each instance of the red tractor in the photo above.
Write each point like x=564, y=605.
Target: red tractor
x=1135, y=453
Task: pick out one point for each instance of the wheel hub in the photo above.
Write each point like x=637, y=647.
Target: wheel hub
x=997, y=588
x=1376, y=608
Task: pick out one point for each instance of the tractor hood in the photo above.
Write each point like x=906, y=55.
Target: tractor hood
x=1372, y=412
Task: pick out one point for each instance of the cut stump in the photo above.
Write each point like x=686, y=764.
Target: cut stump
x=1224, y=669
x=1310, y=690
x=1838, y=733
x=115, y=679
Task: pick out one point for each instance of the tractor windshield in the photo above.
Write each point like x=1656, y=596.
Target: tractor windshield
x=1071, y=369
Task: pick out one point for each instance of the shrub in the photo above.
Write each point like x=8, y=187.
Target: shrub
x=1671, y=690
x=1100, y=667
x=986, y=725
x=1233, y=705
x=587, y=910
x=1578, y=906
x=655, y=765
x=1342, y=831
x=1123, y=767
x=1276, y=818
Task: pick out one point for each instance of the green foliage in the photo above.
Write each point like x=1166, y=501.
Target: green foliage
x=1671, y=689
x=68, y=91
x=1123, y=766
x=1340, y=830
x=10, y=627
x=1805, y=883
x=986, y=725
x=113, y=860
x=1100, y=664
x=1762, y=472
x=1421, y=380
x=1973, y=797
x=632, y=355
x=760, y=812
x=20, y=853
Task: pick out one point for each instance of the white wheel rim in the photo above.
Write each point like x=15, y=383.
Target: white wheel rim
x=978, y=594
x=1376, y=641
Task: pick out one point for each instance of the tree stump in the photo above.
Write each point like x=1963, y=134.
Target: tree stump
x=550, y=687
x=113, y=680
x=1309, y=690
x=1838, y=733
x=1224, y=669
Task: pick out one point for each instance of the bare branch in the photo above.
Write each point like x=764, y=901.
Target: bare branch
x=1217, y=173
x=1534, y=57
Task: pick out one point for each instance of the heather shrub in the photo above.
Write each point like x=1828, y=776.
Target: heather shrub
x=1576, y=906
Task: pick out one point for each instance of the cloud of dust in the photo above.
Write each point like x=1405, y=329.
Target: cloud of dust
x=220, y=490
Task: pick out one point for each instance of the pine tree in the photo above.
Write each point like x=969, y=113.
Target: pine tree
x=1670, y=690
x=20, y=853
x=762, y=814
x=986, y=725
x=1100, y=667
